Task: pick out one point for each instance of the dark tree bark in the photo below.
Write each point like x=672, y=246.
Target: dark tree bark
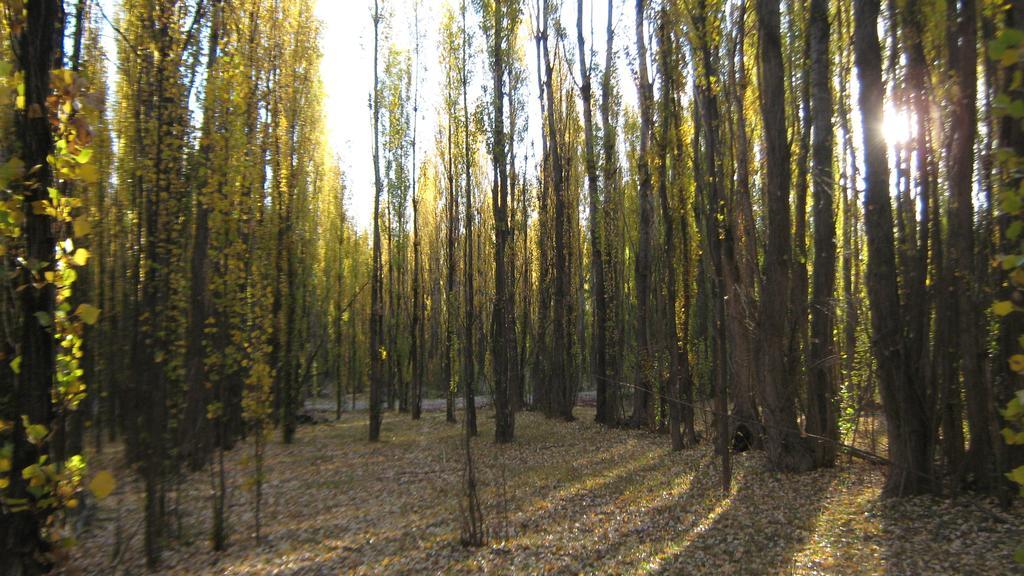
x=680, y=389
x=468, y=359
x=597, y=274
x=416, y=348
x=643, y=405
x=21, y=540
x=910, y=437
x=966, y=285
x=786, y=449
x=377, y=282
x=561, y=381
x=717, y=238
x=503, y=331
x=197, y=432
x=608, y=401
x=823, y=412
x=740, y=268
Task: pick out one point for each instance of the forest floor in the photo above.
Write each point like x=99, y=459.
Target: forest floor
x=565, y=498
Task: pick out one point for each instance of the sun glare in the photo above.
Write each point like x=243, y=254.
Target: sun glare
x=898, y=125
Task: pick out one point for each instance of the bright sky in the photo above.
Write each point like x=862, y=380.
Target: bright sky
x=347, y=73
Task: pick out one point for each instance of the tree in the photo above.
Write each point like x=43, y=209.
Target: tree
x=823, y=414
x=786, y=449
x=469, y=295
x=21, y=538
x=505, y=24
x=376, y=286
x=601, y=374
x=643, y=409
x=906, y=416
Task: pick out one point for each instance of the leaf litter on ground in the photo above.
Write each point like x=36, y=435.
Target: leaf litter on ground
x=564, y=498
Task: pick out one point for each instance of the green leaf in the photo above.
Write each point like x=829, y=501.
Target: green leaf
x=16, y=365
x=45, y=319
x=36, y=432
x=31, y=471
x=1017, y=475
x=1013, y=232
x=84, y=156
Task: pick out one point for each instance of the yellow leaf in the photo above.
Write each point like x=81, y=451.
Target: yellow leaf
x=73, y=503
x=82, y=227
x=102, y=485
x=89, y=173
x=1017, y=362
x=80, y=257
x=1002, y=308
x=88, y=313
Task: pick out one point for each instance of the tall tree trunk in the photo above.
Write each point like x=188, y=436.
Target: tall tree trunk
x=415, y=352
x=608, y=401
x=822, y=392
x=468, y=358
x=377, y=282
x=503, y=330
x=963, y=124
x=910, y=438
x=680, y=377
x=740, y=270
x=643, y=412
x=597, y=273
x=452, y=209
x=197, y=433
x=561, y=380
x=21, y=539
x=787, y=449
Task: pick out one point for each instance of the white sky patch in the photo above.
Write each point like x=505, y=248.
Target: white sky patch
x=347, y=74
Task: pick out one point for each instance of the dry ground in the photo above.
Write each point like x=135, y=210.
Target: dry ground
x=565, y=498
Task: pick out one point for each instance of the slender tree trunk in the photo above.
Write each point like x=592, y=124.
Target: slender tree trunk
x=680, y=379
x=823, y=393
x=597, y=273
x=376, y=285
x=416, y=355
x=608, y=401
x=468, y=358
x=503, y=330
x=643, y=413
